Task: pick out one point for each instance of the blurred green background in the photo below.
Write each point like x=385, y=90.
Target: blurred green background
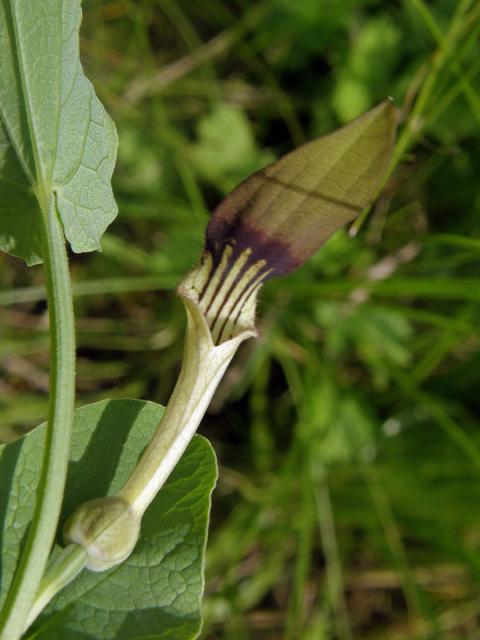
x=348, y=434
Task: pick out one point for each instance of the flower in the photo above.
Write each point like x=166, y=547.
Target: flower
x=268, y=226
x=278, y=217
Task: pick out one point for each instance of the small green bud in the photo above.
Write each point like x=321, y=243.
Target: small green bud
x=107, y=528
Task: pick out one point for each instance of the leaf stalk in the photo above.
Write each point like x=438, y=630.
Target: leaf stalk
x=59, y=426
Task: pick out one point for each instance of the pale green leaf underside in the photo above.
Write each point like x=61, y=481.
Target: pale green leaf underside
x=62, y=136
x=156, y=593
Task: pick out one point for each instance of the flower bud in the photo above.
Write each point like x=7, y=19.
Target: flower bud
x=107, y=528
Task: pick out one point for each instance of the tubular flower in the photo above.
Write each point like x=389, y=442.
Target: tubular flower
x=278, y=217
x=268, y=226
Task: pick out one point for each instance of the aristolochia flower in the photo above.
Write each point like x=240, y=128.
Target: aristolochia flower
x=278, y=217
x=268, y=226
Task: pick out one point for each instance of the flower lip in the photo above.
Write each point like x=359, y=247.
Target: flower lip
x=279, y=247
x=278, y=217
x=286, y=211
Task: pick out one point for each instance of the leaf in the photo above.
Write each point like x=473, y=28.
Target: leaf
x=61, y=140
x=226, y=147
x=156, y=592
x=361, y=79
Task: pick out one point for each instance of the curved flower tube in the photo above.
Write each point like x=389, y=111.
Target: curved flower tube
x=268, y=226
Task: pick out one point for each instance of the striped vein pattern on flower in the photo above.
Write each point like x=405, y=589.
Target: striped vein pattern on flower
x=278, y=217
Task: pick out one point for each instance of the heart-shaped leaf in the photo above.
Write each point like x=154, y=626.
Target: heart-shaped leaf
x=55, y=136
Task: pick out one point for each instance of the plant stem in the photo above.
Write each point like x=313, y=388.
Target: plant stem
x=334, y=575
x=62, y=571
x=59, y=425
x=415, y=122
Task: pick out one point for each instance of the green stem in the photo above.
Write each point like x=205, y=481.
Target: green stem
x=59, y=425
x=415, y=123
x=61, y=572
x=335, y=582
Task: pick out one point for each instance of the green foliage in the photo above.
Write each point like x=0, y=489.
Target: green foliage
x=361, y=78
x=55, y=131
x=379, y=336
x=227, y=164
x=156, y=592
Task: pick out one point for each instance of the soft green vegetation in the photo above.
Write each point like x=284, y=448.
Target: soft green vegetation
x=348, y=434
